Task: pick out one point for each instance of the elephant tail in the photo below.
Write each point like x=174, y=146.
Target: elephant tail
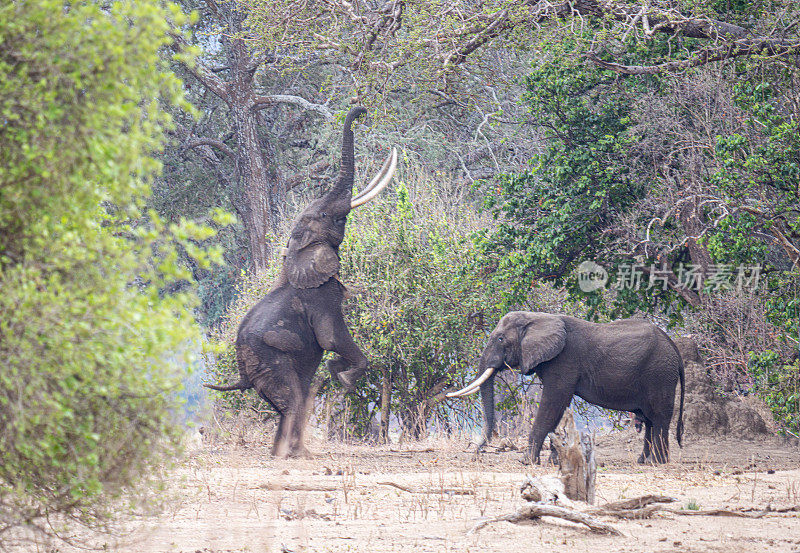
x=679, y=427
x=243, y=384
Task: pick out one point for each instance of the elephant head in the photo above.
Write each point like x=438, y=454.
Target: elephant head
x=312, y=254
x=522, y=340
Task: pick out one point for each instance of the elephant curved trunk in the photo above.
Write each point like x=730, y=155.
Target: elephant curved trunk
x=487, y=401
x=344, y=182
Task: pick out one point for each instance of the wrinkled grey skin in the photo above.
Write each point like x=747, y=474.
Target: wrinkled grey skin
x=627, y=365
x=280, y=341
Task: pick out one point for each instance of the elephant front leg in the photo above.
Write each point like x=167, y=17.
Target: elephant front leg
x=338, y=368
x=551, y=409
x=332, y=335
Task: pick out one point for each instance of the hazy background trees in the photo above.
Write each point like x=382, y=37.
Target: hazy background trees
x=661, y=135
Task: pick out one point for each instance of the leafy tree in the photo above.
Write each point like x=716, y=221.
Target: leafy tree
x=696, y=169
x=555, y=215
x=423, y=310
x=88, y=333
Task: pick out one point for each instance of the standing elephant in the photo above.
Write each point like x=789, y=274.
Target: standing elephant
x=280, y=341
x=628, y=365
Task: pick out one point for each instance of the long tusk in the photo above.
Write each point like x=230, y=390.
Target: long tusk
x=363, y=198
x=375, y=179
x=472, y=388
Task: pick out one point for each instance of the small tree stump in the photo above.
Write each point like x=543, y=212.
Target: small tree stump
x=576, y=463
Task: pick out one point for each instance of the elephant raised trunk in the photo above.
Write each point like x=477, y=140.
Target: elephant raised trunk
x=281, y=340
x=343, y=188
x=344, y=182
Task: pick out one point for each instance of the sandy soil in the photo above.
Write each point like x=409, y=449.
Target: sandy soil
x=230, y=500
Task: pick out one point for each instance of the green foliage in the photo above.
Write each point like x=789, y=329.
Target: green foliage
x=778, y=385
x=553, y=216
x=423, y=311
x=88, y=335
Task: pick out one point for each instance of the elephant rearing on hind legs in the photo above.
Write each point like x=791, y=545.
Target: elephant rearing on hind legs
x=280, y=341
x=628, y=365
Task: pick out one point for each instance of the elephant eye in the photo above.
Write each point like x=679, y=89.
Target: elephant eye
x=500, y=339
x=323, y=214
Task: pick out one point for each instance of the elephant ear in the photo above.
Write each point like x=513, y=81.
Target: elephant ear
x=310, y=266
x=541, y=340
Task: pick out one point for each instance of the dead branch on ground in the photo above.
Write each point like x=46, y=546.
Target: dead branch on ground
x=534, y=511
x=453, y=491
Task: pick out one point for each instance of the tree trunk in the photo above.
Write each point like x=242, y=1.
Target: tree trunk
x=251, y=164
x=386, y=398
x=576, y=462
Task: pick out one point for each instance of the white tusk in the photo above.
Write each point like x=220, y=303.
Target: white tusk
x=361, y=199
x=472, y=388
x=375, y=179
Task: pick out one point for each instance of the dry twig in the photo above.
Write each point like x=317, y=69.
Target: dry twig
x=453, y=491
x=298, y=487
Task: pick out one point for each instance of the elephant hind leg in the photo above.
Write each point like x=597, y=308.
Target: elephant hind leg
x=660, y=441
x=648, y=440
x=280, y=386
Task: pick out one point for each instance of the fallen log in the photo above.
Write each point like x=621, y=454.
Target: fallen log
x=534, y=511
x=630, y=514
x=637, y=502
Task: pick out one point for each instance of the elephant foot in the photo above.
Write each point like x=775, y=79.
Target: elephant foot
x=652, y=460
x=528, y=460
x=302, y=452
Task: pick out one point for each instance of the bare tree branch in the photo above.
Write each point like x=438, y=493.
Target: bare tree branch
x=218, y=144
x=702, y=58
x=261, y=102
x=201, y=72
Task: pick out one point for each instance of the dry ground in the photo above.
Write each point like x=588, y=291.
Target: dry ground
x=230, y=500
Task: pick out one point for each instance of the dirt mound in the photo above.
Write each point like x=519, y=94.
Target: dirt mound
x=708, y=413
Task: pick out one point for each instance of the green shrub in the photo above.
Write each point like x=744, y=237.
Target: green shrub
x=87, y=389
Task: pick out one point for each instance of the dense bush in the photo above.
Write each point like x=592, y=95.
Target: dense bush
x=423, y=311
x=87, y=388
